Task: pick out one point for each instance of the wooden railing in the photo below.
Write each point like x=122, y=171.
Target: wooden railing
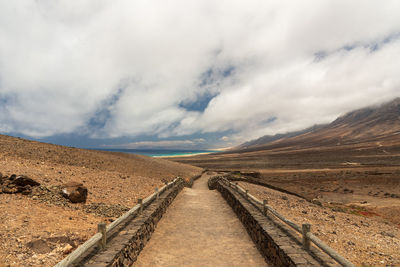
x=100, y=238
x=304, y=230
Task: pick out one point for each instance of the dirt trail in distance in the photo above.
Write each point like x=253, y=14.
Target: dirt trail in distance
x=200, y=229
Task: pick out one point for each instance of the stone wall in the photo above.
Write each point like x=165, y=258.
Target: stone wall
x=258, y=181
x=194, y=178
x=279, y=245
x=126, y=243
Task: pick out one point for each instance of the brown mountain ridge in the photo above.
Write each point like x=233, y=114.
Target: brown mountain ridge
x=370, y=124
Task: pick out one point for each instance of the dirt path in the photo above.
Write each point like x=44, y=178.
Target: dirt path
x=200, y=229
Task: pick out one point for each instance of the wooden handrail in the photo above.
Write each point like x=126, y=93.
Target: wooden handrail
x=94, y=240
x=309, y=236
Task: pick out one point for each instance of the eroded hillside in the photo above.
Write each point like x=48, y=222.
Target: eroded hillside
x=39, y=228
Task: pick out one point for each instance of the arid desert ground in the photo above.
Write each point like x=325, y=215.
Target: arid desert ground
x=350, y=194
x=40, y=228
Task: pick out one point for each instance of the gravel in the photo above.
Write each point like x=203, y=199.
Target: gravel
x=365, y=241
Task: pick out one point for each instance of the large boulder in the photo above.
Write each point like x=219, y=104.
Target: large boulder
x=23, y=180
x=75, y=192
x=17, y=184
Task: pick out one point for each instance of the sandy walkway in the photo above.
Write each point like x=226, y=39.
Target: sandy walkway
x=200, y=229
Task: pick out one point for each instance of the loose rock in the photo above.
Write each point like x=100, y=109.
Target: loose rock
x=39, y=246
x=75, y=192
x=389, y=234
x=25, y=181
x=316, y=202
x=67, y=249
x=17, y=184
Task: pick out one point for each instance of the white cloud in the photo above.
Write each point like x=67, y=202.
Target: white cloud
x=224, y=138
x=182, y=144
x=60, y=61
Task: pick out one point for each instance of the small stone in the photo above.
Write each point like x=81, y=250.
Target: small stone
x=316, y=202
x=67, y=249
x=350, y=243
x=39, y=246
x=365, y=264
x=389, y=234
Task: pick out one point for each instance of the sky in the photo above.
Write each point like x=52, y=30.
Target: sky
x=190, y=74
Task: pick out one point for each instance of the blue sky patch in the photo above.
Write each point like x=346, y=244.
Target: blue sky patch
x=373, y=47
x=214, y=75
x=102, y=114
x=200, y=104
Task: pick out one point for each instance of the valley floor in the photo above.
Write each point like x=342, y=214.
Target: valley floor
x=358, y=187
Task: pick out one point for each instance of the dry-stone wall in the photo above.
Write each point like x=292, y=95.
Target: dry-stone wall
x=126, y=244
x=257, y=181
x=278, y=244
x=190, y=182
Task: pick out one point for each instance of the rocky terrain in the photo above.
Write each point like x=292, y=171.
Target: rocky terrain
x=39, y=226
x=346, y=176
x=350, y=167
x=363, y=240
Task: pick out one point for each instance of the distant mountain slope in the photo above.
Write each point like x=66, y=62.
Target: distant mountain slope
x=371, y=124
x=270, y=138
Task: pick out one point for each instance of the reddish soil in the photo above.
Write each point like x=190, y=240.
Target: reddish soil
x=111, y=178
x=358, y=236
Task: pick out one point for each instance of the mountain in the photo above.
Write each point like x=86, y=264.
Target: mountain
x=371, y=124
x=270, y=138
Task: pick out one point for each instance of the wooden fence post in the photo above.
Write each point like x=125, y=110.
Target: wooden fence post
x=265, y=203
x=157, y=193
x=101, y=228
x=306, y=241
x=140, y=202
x=247, y=194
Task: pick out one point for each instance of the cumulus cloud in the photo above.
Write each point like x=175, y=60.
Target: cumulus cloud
x=129, y=68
